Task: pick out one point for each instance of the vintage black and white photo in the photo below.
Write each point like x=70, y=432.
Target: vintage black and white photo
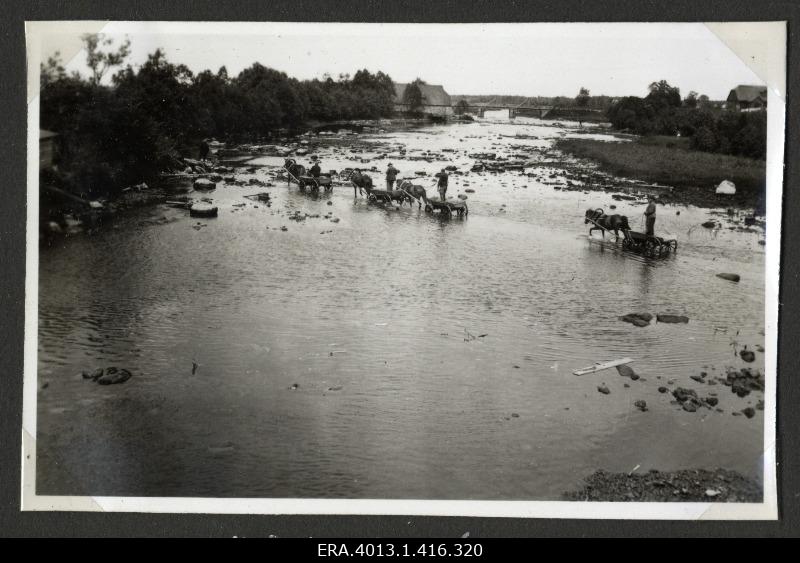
x=498, y=269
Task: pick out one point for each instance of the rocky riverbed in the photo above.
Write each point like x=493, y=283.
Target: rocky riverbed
x=313, y=344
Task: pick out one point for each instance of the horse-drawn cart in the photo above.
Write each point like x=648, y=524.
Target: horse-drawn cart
x=297, y=172
x=315, y=182
x=641, y=243
x=648, y=245
x=447, y=208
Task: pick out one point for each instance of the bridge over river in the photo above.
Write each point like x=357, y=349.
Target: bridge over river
x=529, y=109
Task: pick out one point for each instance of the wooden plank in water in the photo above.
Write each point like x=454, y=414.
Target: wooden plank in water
x=602, y=366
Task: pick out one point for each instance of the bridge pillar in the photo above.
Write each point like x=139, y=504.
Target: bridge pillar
x=512, y=113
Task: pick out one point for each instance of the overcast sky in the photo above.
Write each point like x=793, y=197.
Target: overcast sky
x=522, y=59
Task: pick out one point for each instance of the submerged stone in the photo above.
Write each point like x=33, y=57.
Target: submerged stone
x=113, y=376
x=673, y=319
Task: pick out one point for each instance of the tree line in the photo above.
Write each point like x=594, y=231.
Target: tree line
x=116, y=132
x=709, y=127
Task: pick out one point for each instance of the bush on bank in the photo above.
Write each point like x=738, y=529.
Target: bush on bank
x=113, y=135
x=711, y=129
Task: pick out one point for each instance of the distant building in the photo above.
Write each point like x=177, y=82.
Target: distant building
x=47, y=140
x=745, y=97
x=435, y=100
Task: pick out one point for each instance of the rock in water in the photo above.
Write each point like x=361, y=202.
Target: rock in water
x=682, y=394
x=748, y=355
x=93, y=375
x=627, y=371
x=113, y=376
x=726, y=187
x=637, y=319
x=729, y=277
x=204, y=184
x=664, y=318
x=603, y=389
x=749, y=412
x=709, y=224
x=641, y=405
x=202, y=209
x=689, y=406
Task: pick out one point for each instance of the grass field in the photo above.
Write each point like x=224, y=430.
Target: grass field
x=667, y=160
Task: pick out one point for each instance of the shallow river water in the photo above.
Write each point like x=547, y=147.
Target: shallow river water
x=391, y=354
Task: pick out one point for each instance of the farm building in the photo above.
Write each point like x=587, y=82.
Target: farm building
x=435, y=100
x=47, y=141
x=747, y=97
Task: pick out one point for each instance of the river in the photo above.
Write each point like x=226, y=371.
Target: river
x=391, y=354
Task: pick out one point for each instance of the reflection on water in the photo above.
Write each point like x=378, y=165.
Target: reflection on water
x=412, y=342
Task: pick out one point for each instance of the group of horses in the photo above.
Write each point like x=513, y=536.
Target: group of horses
x=405, y=191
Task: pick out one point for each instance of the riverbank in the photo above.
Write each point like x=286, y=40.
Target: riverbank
x=689, y=485
x=693, y=174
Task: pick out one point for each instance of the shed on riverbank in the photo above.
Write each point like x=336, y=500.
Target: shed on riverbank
x=435, y=101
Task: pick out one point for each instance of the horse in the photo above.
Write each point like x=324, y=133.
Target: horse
x=361, y=182
x=415, y=191
x=294, y=169
x=604, y=222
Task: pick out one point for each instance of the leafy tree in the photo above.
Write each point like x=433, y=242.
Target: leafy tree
x=582, y=99
x=98, y=56
x=663, y=95
x=691, y=99
x=462, y=107
x=412, y=97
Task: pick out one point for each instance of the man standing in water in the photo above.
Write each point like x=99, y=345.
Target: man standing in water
x=315, y=170
x=442, y=187
x=650, y=216
x=391, y=174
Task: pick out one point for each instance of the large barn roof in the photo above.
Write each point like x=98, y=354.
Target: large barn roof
x=432, y=94
x=745, y=93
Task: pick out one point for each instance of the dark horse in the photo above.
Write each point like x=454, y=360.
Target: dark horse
x=413, y=192
x=295, y=170
x=604, y=222
x=361, y=182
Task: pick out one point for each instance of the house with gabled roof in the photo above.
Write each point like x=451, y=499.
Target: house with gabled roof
x=745, y=97
x=435, y=100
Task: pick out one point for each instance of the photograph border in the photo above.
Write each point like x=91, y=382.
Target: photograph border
x=788, y=268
